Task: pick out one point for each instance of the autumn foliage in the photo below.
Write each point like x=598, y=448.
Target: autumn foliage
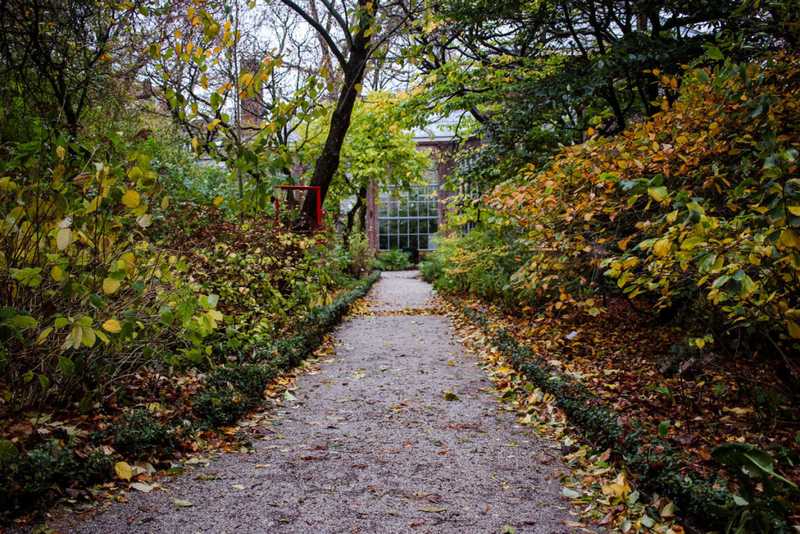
x=695, y=210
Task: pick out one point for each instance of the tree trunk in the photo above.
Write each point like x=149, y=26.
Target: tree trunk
x=351, y=219
x=328, y=161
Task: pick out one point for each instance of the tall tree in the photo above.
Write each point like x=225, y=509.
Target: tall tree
x=361, y=30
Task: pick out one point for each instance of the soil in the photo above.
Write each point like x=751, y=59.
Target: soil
x=399, y=431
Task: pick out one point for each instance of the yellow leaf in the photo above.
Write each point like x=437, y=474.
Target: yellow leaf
x=63, y=238
x=60, y=152
x=110, y=286
x=165, y=203
x=129, y=259
x=658, y=193
x=794, y=210
x=789, y=239
x=662, y=247
x=213, y=124
x=131, y=198
x=246, y=79
x=57, y=273
x=42, y=337
x=618, y=489
x=794, y=329
x=93, y=204
x=123, y=470
x=112, y=326
x=135, y=173
x=218, y=200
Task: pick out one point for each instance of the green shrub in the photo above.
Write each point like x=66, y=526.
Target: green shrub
x=360, y=254
x=249, y=379
x=139, y=434
x=220, y=407
x=392, y=260
x=482, y=262
x=47, y=469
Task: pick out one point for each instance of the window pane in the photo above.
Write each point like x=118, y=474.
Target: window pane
x=413, y=242
x=413, y=226
x=423, y=242
x=384, y=243
x=403, y=226
x=433, y=226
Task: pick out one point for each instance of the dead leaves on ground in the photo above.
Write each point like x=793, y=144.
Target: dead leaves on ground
x=600, y=491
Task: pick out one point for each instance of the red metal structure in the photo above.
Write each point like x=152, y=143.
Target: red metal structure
x=313, y=188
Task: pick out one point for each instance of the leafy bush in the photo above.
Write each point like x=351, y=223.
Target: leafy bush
x=360, y=255
x=250, y=379
x=696, y=208
x=85, y=291
x=266, y=278
x=481, y=262
x=50, y=467
x=392, y=260
x=138, y=434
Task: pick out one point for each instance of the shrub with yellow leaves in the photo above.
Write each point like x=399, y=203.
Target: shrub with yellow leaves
x=696, y=208
x=85, y=294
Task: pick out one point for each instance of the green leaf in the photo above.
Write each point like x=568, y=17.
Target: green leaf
x=658, y=193
x=29, y=276
x=8, y=452
x=66, y=366
x=21, y=323
x=663, y=428
x=714, y=53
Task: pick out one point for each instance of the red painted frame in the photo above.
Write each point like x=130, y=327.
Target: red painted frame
x=314, y=188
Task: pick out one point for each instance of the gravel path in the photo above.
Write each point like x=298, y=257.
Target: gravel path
x=371, y=445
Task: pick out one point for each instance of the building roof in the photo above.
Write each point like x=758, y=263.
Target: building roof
x=439, y=128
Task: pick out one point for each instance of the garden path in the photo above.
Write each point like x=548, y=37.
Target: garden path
x=399, y=431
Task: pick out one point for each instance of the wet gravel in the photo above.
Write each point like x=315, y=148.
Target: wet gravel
x=371, y=445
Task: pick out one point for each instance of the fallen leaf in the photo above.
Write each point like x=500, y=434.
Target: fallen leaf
x=141, y=486
x=433, y=509
x=450, y=396
x=570, y=493
x=123, y=470
x=618, y=489
x=182, y=503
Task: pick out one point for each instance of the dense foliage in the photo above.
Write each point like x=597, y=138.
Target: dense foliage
x=692, y=211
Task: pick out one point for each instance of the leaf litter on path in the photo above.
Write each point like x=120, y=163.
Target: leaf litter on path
x=600, y=491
